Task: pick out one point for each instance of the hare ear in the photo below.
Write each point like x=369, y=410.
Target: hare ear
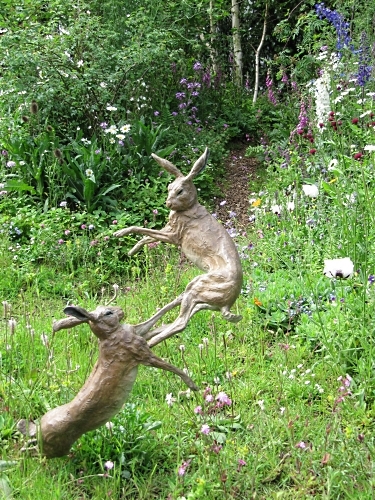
x=167, y=165
x=79, y=313
x=199, y=165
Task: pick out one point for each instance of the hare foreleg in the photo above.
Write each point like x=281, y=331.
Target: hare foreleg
x=162, y=235
x=157, y=362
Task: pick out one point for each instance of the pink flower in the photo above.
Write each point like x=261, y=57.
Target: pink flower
x=114, y=222
x=301, y=445
x=209, y=398
x=67, y=232
x=106, y=238
x=216, y=448
x=205, y=429
x=241, y=463
x=60, y=242
x=198, y=410
x=83, y=226
x=224, y=398
x=93, y=243
x=109, y=465
x=183, y=467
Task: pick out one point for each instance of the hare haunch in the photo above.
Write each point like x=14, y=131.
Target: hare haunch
x=205, y=242
x=121, y=350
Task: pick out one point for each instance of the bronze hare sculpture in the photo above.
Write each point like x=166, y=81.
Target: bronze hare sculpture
x=121, y=350
x=205, y=242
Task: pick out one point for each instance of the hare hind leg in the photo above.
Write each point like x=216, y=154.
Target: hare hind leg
x=229, y=316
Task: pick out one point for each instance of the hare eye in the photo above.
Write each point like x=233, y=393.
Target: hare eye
x=108, y=313
x=180, y=191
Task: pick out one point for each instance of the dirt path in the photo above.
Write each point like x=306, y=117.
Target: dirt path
x=239, y=172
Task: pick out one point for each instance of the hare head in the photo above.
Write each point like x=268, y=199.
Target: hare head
x=182, y=194
x=103, y=321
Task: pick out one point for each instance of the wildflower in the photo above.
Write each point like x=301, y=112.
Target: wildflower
x=338, y=268
x=44, y=339
x=91, y=226
x=89, y=172
x=198, y=410
x=182, y=347
x=183, y=467
x=156, y=113
x=109, y=465
x=290, y=206
x=224, y=398
x=282, y=410
x=222, y=203
x=79, y=63
x=364, y=69
x=369, y=147
x=109, y=425
x=12, y=324
x=4, y=152
x=111, y=108
x=225, y=125
x=155, y=211
x=357, y=156
x=120, y=136
x=276, y=209
x=205, y=429
x=60, y=242
x=174, y=113
x=216, y=448
x=93, y=243
x=11, y=164
x=261, y=404
x=114, y=222
x=205, y=341
x=371, y=279
x=170, y=399
x=197, y=66
x=312, y=151
x=63, y=204
x=355, y=120
x=209, y=398
x=310, y=190
x=339, y=23
x=103, y=85
x=112, y=130
x=83, y=226
x=301, y=445
x=104, y=125
x=241, y=463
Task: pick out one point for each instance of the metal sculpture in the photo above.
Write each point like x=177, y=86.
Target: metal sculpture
x=205, y=242
x=121, y=349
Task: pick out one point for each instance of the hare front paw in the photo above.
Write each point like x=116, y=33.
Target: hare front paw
x=124, y=232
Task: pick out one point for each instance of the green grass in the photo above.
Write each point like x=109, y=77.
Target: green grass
x=285, y=421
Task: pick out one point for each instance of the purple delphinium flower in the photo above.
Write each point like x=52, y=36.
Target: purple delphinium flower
x=180, y=95
x=104, y=125
x=4, y=152
x=364, y=69
x=183, y=81
x=271, y=95
x=156, y=113
x=182, y=105
x=197, y=66
x=339, y=23
x=174, y=113
x=371, y=279
x=206, y=79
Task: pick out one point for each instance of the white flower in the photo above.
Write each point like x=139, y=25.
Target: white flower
x=332, y=164
x=310, y=190
x=109, y=425
x=120, y=136
x=365, y=113
x=369, y=147
x=111, y=108
x=89, y=172
x=290, y=206
x=79, y=63
x=276, y=209
x=111, y=140
x=63, y=204
x=111, y=130
x=261, y=404
x=103, y=85
x=338, y=268
x=125, y=128
x=85, y=141
x=170, y=399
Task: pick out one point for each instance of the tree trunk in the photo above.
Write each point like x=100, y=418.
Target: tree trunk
x=237, y=49
x=257, y=53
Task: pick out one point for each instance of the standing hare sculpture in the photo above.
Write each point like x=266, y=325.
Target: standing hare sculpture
x=205, y=242
x=121, y=350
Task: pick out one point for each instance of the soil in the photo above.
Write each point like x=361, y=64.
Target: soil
x=235, y=187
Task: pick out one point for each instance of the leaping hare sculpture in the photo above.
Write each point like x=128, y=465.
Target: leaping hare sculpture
x=121, y=350
x=205, y=242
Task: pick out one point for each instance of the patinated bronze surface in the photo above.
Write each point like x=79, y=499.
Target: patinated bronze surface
x=205, y=242
x=121, y=349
